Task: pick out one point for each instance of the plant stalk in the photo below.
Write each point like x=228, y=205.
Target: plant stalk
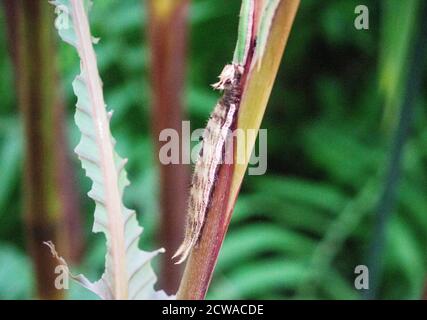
x=257, y=85
x=50, y=198
x=167, y=33
x=387, y=200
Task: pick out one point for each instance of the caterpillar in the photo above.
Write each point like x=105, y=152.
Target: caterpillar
x=210, y=156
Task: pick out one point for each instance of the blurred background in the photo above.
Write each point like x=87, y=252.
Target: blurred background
x=347, y=130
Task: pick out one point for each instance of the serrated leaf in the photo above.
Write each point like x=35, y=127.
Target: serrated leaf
x=128, y=272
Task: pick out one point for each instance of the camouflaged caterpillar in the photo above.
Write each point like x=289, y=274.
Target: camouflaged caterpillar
x=211, y=154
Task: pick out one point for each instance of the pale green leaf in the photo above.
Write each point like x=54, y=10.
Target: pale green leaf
x=128, y=272
x=245, y=32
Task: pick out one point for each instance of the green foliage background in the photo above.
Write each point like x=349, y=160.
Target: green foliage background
x=300, y=230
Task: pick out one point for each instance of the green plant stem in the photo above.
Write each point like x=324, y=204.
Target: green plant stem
x=388, y=197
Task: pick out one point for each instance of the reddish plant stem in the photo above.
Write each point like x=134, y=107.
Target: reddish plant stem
x=203, y=258
x=167, y=31
x=50, y=200
x=71, y=219
x=201, y=263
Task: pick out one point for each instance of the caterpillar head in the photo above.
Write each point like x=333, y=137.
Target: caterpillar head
x=229, y=76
